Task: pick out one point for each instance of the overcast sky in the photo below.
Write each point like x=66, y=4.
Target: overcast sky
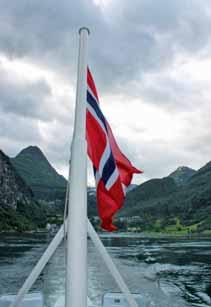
x=151, y=61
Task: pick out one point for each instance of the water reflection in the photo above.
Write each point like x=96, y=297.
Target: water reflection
x=174, y=272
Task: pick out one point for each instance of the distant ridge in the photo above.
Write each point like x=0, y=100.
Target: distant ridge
x=181, y=199
x=148, y=191
x=182, y=174
x=34, y=168
x=202, y=176
x=184, y=198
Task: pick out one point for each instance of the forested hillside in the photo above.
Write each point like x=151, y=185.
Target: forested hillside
x=38, y=173
x=163, y=202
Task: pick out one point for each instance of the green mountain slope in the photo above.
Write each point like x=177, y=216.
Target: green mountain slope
x=148, y=195
x=153, y=189
x=182, y=174
x=183, y=199
x=45, y=182
x=202, y=177
x=34, y=168
x=161, y=202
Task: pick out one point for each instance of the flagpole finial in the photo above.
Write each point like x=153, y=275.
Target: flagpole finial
x=84, y=28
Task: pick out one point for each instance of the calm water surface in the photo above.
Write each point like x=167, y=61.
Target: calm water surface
x=174, y=272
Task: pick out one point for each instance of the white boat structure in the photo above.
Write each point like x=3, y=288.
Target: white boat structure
x=76, y=226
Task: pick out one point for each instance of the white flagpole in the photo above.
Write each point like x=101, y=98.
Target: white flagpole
x=76, y=271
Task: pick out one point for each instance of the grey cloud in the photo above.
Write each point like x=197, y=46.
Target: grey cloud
x=147, y=35
x=154, y=158
x=58, y=149
x=45, y=30
x=17, y=132
x=133, y=38
x=131, y=41
x=158, y=159
x=171, y=93
x=28, y=99
x=201, y=145
x=59, y=155
x=197, y=135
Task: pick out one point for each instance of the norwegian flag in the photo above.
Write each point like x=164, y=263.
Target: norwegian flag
x=113, y=171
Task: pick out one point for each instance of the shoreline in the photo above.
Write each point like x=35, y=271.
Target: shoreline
x=121, y=233
x=154, y=234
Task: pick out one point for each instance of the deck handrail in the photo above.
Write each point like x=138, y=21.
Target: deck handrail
x=39, y=267
x=50, y=251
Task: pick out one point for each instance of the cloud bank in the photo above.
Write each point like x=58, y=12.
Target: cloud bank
x=152, y=66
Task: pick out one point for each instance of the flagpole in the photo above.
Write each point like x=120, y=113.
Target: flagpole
x=76, y=270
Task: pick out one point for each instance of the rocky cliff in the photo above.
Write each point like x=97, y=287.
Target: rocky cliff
x=18, y=209
x=13, y=188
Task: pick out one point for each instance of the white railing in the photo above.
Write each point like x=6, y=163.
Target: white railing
x=39, y=267
x=50, y=251
x=110, y=264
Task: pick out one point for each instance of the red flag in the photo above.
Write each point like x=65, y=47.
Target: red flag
x=113, y=171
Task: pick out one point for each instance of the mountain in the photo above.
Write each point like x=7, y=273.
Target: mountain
x=163, y=201
x=34, y=168
x=18, y=209
x=182, y=174
x=182, y=199
x=201, y=177
x=148, y=191
x=47, y=185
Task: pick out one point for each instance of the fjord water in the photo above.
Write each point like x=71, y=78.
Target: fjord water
x=174, y=272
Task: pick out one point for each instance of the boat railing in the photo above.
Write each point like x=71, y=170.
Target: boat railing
x=50, y=251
